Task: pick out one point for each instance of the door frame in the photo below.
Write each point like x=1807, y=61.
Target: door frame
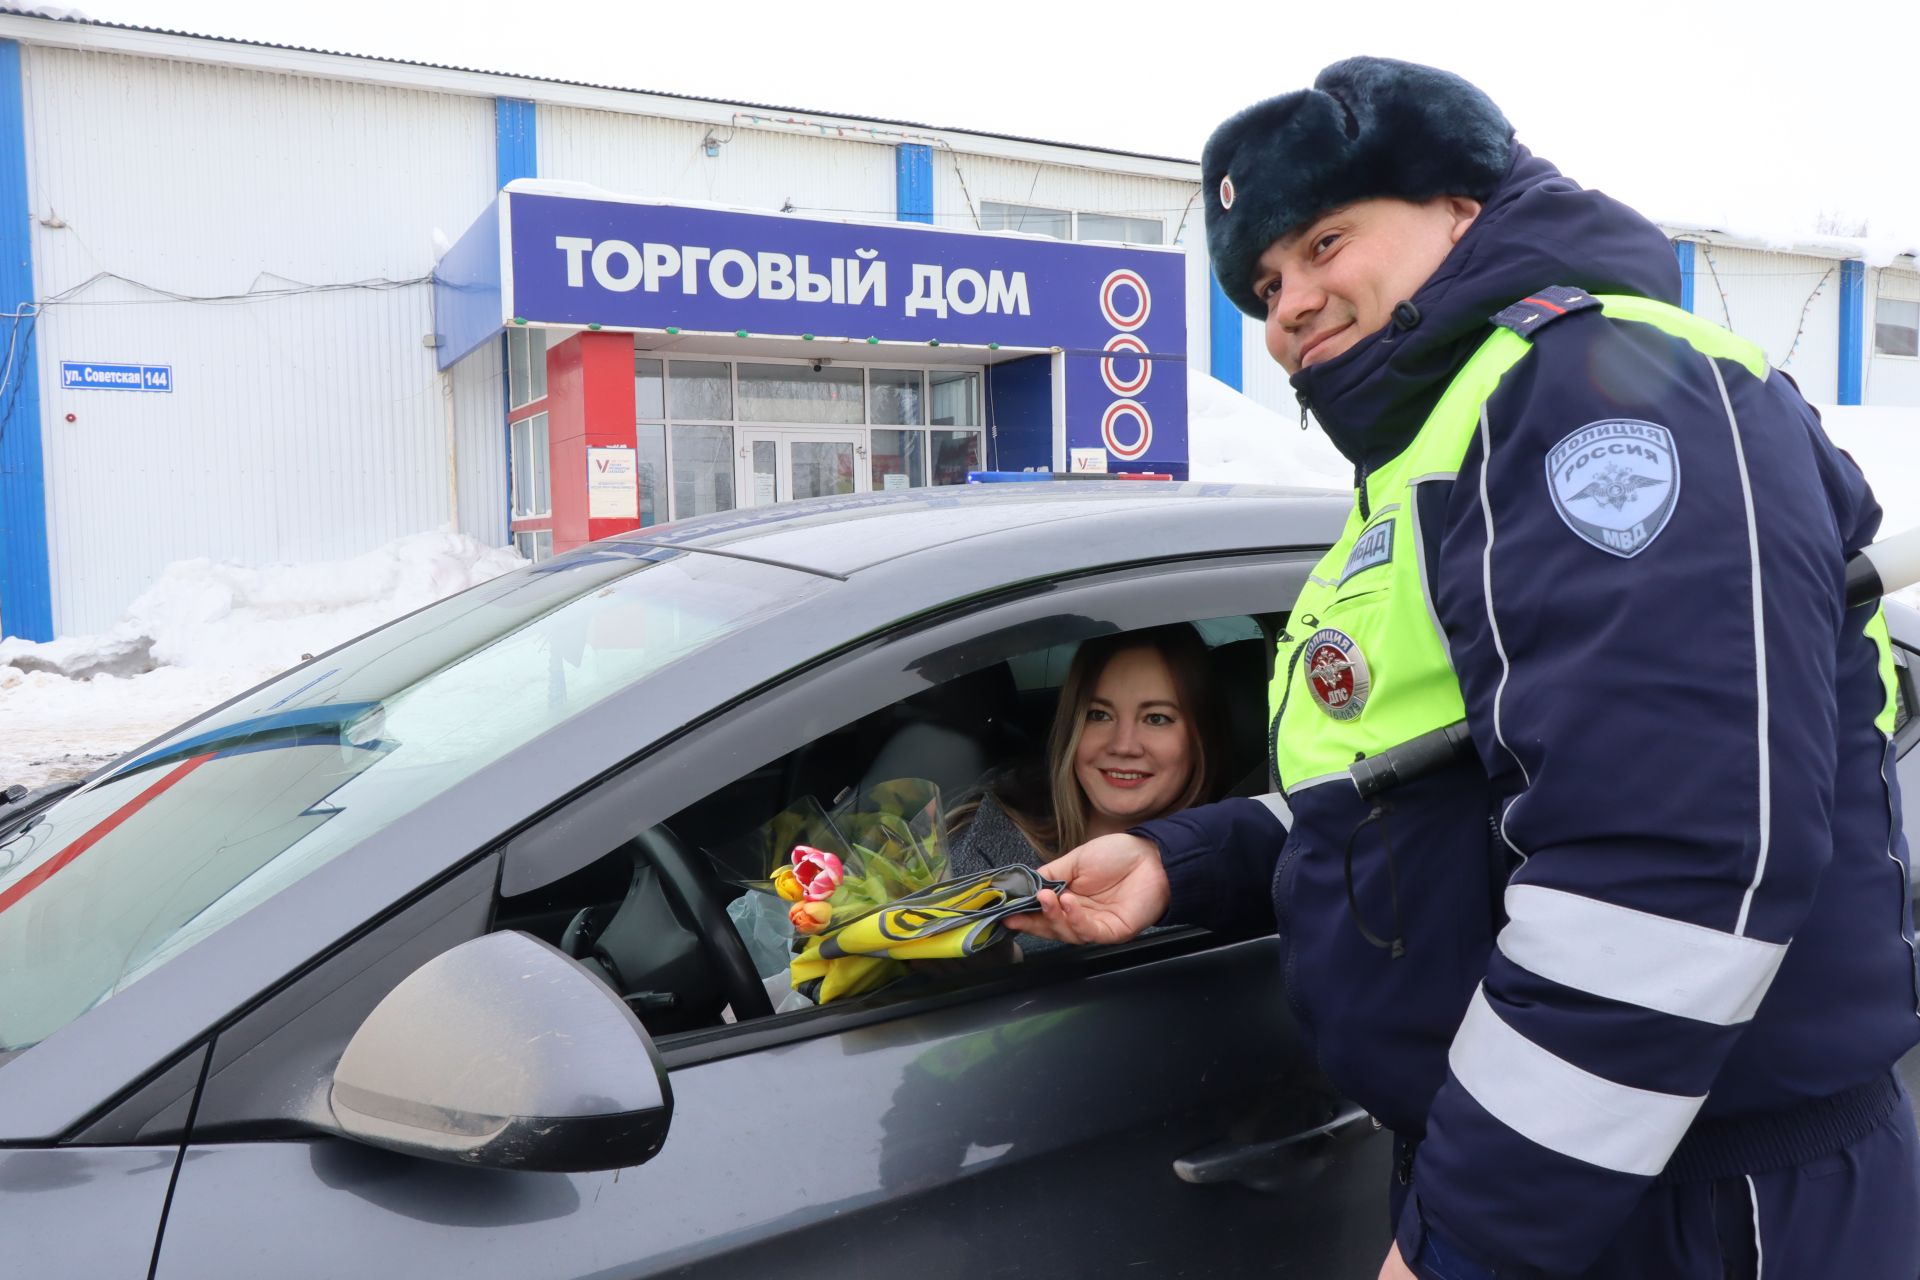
x=747, y=472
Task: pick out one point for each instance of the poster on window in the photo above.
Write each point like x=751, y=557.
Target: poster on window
x=613, y=487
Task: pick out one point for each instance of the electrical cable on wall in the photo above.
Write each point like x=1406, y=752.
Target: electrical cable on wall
x=30, y=312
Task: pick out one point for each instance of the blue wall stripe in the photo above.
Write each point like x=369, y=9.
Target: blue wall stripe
x=26, y=589
x=516, y=154
x=1853, y=316
x=1683, y=251
x=516, y=140
x=913, y=182
x=1224, y=329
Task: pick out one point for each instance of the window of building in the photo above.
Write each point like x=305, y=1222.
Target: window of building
x=526, y=366
x=1066, y=224
x=1113, y=226
x=532, y=486
x=535, y=544
x=1896, y=327
x=995, y=216
x=802, y=393
x=925, y=429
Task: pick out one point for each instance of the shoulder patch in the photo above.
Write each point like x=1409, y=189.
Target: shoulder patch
x=1370, y=550
x=1615, y=483
x=1538, y=310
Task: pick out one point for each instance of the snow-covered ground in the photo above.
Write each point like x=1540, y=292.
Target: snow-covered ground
x=201, y=634
x=205, y=632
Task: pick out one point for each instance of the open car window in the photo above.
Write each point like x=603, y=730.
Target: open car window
x=989, y=711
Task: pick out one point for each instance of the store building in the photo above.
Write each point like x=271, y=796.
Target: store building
x=670, y=360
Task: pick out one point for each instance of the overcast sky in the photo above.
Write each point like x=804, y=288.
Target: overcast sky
x=1757, y=116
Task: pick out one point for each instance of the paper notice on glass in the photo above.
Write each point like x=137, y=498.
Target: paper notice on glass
x=613, y=484
x=762, y=489
x=1089, y=461
x=894, y=480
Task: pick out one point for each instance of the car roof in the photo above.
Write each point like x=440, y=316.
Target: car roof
x=1115, y=521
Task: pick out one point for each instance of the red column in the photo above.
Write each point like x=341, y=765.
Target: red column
x=590, y=407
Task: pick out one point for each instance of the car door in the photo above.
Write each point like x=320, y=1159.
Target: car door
x=1144, y=1109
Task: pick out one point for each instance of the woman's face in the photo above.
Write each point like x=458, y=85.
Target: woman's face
x=1135, y=754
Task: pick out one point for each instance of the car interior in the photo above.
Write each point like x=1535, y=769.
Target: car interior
x=650, y=917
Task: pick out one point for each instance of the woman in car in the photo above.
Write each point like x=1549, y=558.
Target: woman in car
x=1135, y=737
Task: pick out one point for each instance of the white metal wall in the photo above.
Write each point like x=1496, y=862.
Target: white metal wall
x=480, y=444
x=755, y=168
x=1788, y=303
x=302, y=428
x=1890, y=379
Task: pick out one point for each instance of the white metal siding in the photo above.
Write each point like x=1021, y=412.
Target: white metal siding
x=1890, y=379
x=303, y=428
x=756, y=168
x=1264, y=380
x=480, y=442
x=1788, y=303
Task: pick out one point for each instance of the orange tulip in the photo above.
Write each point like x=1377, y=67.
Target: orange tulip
x=810, y=917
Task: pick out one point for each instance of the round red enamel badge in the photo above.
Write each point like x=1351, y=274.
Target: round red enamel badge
x=1337, y=674
x=1226, y=192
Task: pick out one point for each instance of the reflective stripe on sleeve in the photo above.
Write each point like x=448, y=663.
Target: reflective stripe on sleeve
x=1637, y=958
x=1561, y=1107
x=1276, y=804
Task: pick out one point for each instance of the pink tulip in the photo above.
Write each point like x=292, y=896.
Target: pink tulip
x=819, y=872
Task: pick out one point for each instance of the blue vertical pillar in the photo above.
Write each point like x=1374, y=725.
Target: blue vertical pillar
x=26, y=589
x=1224, y=334
x=516, y=154
x=1853, y=325
x=913, y=182
x=1683, y=251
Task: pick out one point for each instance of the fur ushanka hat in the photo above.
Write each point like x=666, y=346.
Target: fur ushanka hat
x=1369, y=127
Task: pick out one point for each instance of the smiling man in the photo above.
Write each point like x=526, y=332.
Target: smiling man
x=1628, y=978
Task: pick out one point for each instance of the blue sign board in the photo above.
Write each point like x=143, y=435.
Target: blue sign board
x=82, y=375
x=1115, y=316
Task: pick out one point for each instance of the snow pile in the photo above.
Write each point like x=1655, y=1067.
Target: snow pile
x=203, y=633
x=1232, y=438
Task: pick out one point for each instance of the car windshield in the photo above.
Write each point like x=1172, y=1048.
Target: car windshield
x=179, y=839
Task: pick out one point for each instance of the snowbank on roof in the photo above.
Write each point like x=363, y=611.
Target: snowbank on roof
x=1233, y=438
x=202, y=633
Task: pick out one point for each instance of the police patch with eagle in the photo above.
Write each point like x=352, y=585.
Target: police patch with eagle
x=1615, y=482
x=1337, y=674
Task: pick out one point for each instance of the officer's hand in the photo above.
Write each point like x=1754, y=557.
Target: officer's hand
x=1116, y=887
x=1394, y=1269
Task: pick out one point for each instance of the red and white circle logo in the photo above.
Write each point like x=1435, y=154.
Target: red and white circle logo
x=1109, y=366
x=1226, y=192
x=1337, y=674
x=1110, y=429
x=1109, y=302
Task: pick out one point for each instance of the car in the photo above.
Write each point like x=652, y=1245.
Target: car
x=418, y=957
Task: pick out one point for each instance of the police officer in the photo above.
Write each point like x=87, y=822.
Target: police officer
x=1628, y=977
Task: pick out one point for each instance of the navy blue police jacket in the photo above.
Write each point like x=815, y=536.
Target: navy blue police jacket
x=1669, y=887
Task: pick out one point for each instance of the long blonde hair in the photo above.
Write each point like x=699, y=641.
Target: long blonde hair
x=1185, y=654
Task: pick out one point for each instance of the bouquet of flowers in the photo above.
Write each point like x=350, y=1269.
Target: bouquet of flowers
x=869, y=889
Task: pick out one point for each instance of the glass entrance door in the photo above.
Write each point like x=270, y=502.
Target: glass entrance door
x=786, y=464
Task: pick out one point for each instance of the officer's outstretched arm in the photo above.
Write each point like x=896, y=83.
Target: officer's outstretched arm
x=1640, y=582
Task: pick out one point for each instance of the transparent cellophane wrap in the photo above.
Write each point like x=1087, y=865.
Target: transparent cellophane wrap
x=895, y=901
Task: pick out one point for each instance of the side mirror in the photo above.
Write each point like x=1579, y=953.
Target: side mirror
x=508, y=1054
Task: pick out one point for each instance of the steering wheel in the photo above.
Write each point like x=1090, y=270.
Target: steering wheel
x=690, y=882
